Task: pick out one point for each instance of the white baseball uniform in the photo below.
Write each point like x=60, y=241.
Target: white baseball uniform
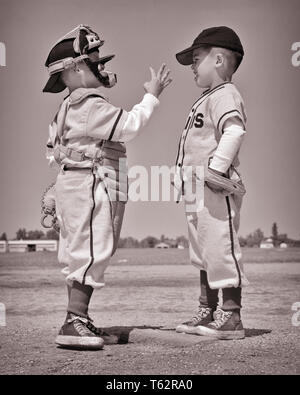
x=212, y=229
x=87, y=139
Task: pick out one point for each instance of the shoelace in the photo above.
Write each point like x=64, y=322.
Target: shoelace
x=77, y=317
x=202, y=313
x=87, y=327
x=221, y=317
x=80, y=324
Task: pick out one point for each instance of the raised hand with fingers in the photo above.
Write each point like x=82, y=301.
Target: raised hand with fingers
x=158, y=81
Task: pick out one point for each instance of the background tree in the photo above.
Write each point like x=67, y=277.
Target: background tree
x=21, y=234
x=275, y=234
x=258, y=236
x=182, y=240
x=3, y=236
x=249, y=240
x=243, y=241
x=52, y=235
x=35, y=235
x=254, y=239
x=128, y=242
x=149, y=242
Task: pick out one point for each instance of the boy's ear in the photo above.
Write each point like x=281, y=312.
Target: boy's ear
x=75, y=68
x=220, y=60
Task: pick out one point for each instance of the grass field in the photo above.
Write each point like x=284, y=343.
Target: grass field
x=148, y=292
x=153, y=257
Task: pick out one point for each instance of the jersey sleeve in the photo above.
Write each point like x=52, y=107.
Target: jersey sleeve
x=138, y=117
x=108, y=122
x=105, y=121
x=227, y=105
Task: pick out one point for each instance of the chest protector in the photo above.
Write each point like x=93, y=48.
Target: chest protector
x=108, y=160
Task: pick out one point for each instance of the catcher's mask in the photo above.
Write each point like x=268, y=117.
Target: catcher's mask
x=78, y=45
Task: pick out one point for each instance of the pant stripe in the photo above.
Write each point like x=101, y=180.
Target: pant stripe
x=91, y=230
x=232, y=241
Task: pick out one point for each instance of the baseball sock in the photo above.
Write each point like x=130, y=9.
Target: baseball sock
x=208, y=297
x=232, y=298
x=69, y=291
x=79, y=299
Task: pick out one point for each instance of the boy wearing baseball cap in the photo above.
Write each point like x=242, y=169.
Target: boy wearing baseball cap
x=86, y=141
x=211, y=140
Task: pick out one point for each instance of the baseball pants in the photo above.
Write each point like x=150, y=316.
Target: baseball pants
x=213, y=242
x=90, y=226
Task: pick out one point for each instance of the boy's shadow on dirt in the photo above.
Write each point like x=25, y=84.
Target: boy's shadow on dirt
x=121, y=334
x=256, y=332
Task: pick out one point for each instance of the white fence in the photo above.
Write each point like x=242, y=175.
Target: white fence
x=28, y=245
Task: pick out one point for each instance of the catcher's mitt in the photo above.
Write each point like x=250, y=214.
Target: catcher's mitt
x=225, y=185
x=48, y=208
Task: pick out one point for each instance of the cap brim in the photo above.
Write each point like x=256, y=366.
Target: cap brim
x=185, y=57
x=54, y=84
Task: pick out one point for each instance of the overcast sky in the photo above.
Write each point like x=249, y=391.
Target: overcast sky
x=143, y=33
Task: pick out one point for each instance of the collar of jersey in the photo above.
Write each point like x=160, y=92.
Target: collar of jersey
x=79, y=94
x=210, y=92
x=216, y=87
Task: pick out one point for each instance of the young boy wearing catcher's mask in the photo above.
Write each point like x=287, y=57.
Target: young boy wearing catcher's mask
x=86, y=140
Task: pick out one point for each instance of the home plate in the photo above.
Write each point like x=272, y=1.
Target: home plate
x=166, y=336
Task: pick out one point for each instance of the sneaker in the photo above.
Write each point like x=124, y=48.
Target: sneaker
x=203, y=317
x=76, y=334
x=227, y=325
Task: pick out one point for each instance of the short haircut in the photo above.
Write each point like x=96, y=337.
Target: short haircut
x=233, y=59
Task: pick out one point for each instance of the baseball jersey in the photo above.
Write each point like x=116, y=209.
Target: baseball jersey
x=85, y=119
x=204, y=126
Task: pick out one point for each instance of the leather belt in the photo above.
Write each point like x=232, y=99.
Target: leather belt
x=76, y=168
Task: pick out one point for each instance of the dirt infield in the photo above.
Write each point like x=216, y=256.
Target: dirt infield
x=147, y=293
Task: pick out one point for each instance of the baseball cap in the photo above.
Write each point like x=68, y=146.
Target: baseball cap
x=60, y=51
x=221, y=36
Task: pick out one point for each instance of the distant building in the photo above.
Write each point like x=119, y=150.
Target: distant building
x=28, y=245
x=180, y=247
x=283, y=245
x=162, y=245
x=267, y=243
x=3, y=246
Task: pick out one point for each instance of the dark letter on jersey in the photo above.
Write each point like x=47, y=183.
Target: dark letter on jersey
x=199, y=121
